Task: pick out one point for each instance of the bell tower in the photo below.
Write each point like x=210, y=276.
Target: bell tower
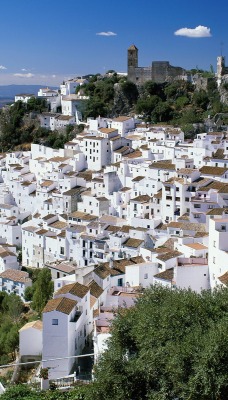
x=132, y=62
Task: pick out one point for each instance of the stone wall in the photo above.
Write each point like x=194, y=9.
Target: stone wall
x=159, y=71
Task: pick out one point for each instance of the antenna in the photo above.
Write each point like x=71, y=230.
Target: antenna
x=221, y=47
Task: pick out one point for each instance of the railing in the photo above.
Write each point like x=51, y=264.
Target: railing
x=70, y=380
x=192, y=260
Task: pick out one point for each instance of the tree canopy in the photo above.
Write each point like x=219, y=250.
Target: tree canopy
x=171, y=345
x=11, y=319
x=43, y=290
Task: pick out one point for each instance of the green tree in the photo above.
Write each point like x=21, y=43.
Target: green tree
x=43, y=290
x=147, y=105
x=162, y=112
x=2, y=296
x=130, y=91
x=13, y=306
x=94, y=108
x=172, y=344
x=25, y=392
x=29, y=292
x=181, y=102
x=201, y=99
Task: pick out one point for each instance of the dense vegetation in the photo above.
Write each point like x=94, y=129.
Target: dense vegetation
x=41, y=290
x=171, y=345
x=23, y=392
x=14, y=314
x=19, y=127
x=178, y=102
x=11, y=319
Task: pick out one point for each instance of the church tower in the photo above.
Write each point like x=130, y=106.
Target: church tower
x=132, y=62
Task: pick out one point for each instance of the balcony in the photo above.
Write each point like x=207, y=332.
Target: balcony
x=99, y=245
x=76, y=317
x=199, y=199
x=99, y=255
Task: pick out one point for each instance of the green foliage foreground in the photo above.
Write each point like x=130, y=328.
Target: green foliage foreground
x=24, y=392
x=171, y=345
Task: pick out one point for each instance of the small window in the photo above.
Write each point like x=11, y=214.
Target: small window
x=145, y=276
x=55, y=322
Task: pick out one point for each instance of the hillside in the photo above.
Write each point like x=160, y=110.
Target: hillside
x=179, y=102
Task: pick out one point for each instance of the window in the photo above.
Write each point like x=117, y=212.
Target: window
x=62, y=250
x=120, y=282
x=55, y=322
x=145, y=276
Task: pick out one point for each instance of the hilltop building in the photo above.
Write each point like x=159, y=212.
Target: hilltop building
x=159, y=71
x=222, y=70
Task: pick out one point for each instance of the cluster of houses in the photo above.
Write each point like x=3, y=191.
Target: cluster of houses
x=123, y=206
x=64, y=104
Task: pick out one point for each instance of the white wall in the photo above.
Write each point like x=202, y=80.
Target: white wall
x=30, y=342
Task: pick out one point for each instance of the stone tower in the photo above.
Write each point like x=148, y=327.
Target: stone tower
x=220, y=69
x=132, y=61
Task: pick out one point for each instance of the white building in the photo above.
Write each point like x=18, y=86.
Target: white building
x=218, y=249
x=30, y=340
x=24, y=97
x=13, y=281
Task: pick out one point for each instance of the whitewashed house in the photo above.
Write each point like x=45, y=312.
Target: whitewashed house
x=14, y=281
x=30, y=341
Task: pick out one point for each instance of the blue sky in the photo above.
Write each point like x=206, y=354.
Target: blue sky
x=46, y=41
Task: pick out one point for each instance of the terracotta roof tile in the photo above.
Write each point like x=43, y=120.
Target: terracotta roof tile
x=34, y=324
x=224, y=278
x=16, y=276
x=217, y=171
x=76, y=289
x=170, y=254
x=134, y=243
x=95, y=289
x=165, y=275
x=144, y=198
x=62, y=304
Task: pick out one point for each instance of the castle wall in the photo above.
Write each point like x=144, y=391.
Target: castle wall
x=142, y=75
x=159, y=72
